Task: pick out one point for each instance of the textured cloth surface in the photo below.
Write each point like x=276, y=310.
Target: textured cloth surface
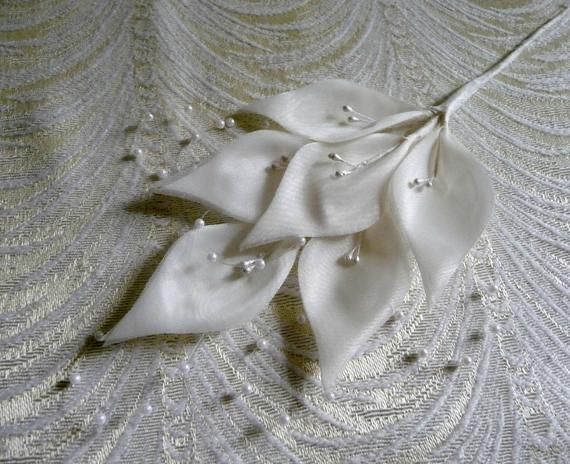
x=94, y=106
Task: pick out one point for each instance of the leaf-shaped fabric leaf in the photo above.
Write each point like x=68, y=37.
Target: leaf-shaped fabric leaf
x=316, y=111
x=312, y=202
x=190, y=294
x=441, y=222
x=238, y=181
x=347, y=303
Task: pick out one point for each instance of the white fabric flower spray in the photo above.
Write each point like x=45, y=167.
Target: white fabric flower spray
x=368, y=180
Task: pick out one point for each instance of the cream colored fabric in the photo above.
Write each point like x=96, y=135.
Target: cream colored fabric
x=81, y=234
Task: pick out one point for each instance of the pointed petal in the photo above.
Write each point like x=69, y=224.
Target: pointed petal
x=189, y=294
x=441, y=222
x=346, y=304
x=315, y=111
x=312, y=202
x=238, y=181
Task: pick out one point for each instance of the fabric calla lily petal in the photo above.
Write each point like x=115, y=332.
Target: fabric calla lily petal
x=441, y=222
x=238, y=181
x=316, y=110
x=190, y=294
x=312, y=201
x=346, y=302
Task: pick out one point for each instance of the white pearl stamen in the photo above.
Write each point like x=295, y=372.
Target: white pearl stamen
x=357, y=116
x=212, y=256
x=101, y=418
x=199, y=223
x=329, y=396
x=427, y=182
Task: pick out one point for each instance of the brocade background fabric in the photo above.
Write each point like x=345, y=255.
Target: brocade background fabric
x=81, y=232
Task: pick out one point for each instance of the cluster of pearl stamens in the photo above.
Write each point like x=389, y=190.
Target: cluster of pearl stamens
x=427, y=182
x=223, y=123
x=353, y=167
x=356, y=116
x=249, y=265
x=246, y=266
x=353, y=256
x=280, y=164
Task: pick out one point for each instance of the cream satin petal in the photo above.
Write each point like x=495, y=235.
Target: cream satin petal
x=312, y=202
x=315, y=111
x=189, y=294
x=346, y=304
x=443, y=222
x=238, y=181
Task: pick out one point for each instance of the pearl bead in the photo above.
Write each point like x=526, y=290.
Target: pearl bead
x=138, y=152
x=262, y=344
x=75, y=378
x=185, y=367
x=220, y=124
x=284, y=419
x=147, y=408
x=259, y=263
x=466, y=360
x=150, y=116
x=99, y=335
x=199, y=223
x=230, y=122
x=301, y=318
x=196, y=136
x=301, y=241
x=493, y=288
x=422, y=353
x=162, y=173
x=247, y=389
x=212, y=257
x=101, y=418
x=189, y=107
x=329, y=396
x=398, y=315
x=347, y=108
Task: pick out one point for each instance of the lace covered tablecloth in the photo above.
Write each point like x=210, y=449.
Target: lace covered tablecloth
x=98, y=99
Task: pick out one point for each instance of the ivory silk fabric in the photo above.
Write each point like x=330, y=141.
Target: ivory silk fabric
x=81, y=233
